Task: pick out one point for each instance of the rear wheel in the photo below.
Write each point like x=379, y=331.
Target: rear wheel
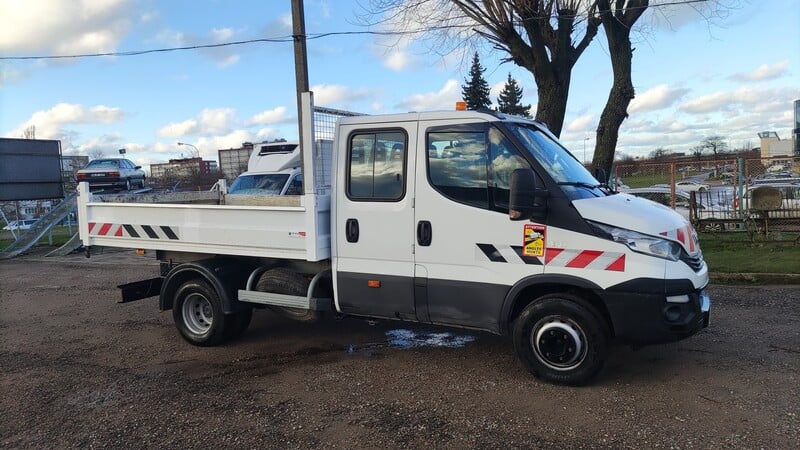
x=128, y=184
x=562, y=339
x=284, y=281
x=198, y=315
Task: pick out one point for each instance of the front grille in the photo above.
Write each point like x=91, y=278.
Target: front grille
x=695, y=262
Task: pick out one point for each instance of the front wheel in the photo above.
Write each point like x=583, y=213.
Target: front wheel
x=562, y=339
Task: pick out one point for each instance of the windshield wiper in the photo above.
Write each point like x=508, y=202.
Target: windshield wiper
x=580, y=184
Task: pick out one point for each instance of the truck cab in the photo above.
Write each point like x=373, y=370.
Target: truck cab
x=486, y=221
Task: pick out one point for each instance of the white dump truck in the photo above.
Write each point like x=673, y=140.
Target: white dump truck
x=462, y=218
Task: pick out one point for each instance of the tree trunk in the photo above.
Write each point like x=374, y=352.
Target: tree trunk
x=553, y=93
x=617, y=25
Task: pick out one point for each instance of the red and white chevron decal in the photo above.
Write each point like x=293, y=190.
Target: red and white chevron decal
x=133, y=231
x=585, y=259
x=684, y=235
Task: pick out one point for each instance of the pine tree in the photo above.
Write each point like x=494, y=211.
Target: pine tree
x=476, y=90
x=510, y=99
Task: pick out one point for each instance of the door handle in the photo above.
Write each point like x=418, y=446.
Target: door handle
x=424, y=233
x=351, y=230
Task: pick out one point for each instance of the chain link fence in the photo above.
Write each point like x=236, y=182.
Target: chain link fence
x=755, y=195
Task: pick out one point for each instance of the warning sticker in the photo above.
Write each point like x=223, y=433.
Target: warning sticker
x=533, y=240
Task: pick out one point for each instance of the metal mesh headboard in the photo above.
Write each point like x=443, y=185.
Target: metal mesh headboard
x=324, y=127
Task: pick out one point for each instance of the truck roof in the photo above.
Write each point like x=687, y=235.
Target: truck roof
x=435, y=115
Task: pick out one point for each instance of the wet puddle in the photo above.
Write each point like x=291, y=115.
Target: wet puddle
x=406, y=339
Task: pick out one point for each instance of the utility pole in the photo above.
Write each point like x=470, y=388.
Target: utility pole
x=300, y=67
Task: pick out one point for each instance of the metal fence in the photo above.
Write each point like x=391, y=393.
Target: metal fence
x=757, y=195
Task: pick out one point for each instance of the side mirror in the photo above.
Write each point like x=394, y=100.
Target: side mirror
x=138, y=167
x=526, y=200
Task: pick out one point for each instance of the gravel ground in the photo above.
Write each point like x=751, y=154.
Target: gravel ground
x=79, y=370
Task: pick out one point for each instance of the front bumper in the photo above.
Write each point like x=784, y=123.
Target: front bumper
x=640, y=317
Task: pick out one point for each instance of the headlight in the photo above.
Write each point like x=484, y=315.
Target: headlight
x=638, y=242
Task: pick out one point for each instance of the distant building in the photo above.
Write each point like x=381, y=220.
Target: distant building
x=772, y=146
x=233, y=161
x=183, y=168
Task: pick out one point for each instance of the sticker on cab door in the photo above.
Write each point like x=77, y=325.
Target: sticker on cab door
x=533, y=240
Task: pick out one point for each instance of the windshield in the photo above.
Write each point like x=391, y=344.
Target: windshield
x=265, y=184
x=563, y=168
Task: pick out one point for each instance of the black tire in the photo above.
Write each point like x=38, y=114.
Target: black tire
x=284, y=281
x=237, y=323
x=141, y=183
x=128, y=184
x=198, y=315
x=562, y=339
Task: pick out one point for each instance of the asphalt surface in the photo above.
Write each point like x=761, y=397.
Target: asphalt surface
x=79, y=370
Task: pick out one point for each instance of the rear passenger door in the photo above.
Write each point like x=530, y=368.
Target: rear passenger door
x=373, y=221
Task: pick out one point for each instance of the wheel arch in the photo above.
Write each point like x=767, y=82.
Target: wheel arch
x=224, y=276
x=525, y=291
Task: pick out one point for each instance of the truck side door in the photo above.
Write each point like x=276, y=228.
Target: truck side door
x=373, y=221
x=469, y=253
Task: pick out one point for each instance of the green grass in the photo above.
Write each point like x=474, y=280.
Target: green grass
x=637, y=181
x=60, y=235
x=734, y=253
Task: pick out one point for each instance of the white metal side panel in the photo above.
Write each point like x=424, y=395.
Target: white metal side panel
x=229, y=230
x=278, y=232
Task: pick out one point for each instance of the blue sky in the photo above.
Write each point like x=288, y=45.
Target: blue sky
x=733, y=77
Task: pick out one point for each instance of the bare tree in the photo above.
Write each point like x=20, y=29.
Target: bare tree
x=96, y=153
x=659, y=153
x=535, y=34
x=618, y=18
x=546, y=37
x=714, y=144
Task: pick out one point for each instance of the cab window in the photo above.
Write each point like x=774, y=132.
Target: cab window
x=376, y=166
x=473, y=167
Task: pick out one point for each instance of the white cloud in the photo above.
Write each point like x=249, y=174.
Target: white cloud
x=744, y=97
x=585, y=123
x=210, y=120
x=445, y=98
x=335, y=95
x=763, y=72
x=397, y=60
x=179, y=129
x=659, y=97
x=222, y=34
x=51, y=123
x=210, y=145
x=271, y=116
x=106, y=144
x=495, y=89
x=63, y=26
x=267, y=134
x=224, y=56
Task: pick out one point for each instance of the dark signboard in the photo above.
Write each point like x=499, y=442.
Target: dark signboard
x=30, y=169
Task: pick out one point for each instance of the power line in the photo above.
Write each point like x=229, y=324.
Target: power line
x=290, y=38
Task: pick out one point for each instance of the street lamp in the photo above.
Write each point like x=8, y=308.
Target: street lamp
x=584, y=150
x=197, y=150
